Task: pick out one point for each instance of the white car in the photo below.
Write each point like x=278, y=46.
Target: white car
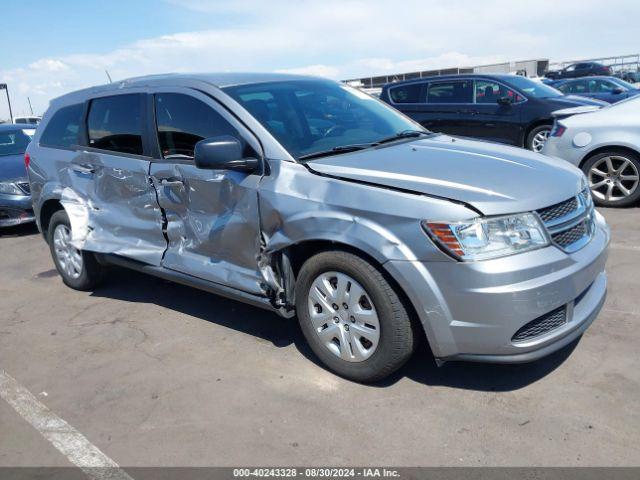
x=27, y=120
x=605, y=144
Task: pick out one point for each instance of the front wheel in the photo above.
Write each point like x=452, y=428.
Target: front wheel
x=538, y=137
x=351, y=316
x=78, y=269
x=613, y=178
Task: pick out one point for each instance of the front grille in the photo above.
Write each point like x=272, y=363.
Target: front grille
x=541, y=325
x=571, y=236
x=558, y=210
x=570, y=223
x=24, y=186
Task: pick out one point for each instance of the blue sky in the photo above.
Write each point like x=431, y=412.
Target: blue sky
x=52, y=47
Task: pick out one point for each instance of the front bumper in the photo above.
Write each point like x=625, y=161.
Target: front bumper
x=15, y=210
x=471, y=311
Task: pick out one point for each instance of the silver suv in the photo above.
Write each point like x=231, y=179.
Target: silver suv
x=302, y=195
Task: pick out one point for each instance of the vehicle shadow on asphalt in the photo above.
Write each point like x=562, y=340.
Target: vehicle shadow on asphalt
x=19, y=230
x=133, y=286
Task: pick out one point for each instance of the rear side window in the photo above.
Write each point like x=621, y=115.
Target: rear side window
x=459, y=91
x=183, y=121
x=62, y=129
x=115, y=123
x=406, y=93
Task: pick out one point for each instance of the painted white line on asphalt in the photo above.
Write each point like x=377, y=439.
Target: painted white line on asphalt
x=621, y=246
x=71, y=443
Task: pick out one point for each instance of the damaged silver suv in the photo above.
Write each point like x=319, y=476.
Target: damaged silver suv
x=302, y=195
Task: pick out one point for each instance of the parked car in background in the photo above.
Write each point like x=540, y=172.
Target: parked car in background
x=502, y=108
x=629, y=76
x=606, y=145
x=607, y=89
x=303, y=195
x=27, y=120
x=15, y=196
x=582, y=69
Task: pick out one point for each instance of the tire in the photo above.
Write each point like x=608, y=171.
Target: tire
x=534, y=138
x=622, y=187
x=395, y=336
x=89, y=274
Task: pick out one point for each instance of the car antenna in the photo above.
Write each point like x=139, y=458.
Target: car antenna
x=108, y=76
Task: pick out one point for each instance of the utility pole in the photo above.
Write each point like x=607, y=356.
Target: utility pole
x=30, y=107
x=6, y=88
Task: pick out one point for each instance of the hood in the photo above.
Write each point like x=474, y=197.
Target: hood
x=568, y=101
x=12, y=168
x=495, y=179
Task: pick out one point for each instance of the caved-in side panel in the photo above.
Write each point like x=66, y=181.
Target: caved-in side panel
x=212, y=224
x=113, y=206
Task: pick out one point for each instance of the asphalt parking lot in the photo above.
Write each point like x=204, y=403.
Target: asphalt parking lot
x=154, y=373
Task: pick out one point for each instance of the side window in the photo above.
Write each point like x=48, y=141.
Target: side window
x=182, y=121
x=62, y=129
x=490, y=92
x=458, y=91
x=115, y=123
x=571, y=68
x=406, y=93
x=603, y=86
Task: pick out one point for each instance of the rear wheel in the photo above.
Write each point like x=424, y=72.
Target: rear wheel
x=352, y=318
x=78, y=269
x=614, y=178
x=538, y=137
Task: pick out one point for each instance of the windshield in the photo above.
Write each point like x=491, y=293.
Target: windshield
x=534, y=89
x=13, y=142
x=311, y=116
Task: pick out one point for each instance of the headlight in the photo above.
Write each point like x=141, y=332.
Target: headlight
x=10, y=188
x=485, y=238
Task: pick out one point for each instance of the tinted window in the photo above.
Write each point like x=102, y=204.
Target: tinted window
x=13, y=142
x=459, y=91
x=20, y=120
x=310, y=116
x=62, y=129
x=183, y=121
x=490, y=92
x=581, y=86
x=115, y=124
x=406, y=93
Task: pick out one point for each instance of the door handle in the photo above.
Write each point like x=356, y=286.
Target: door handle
x=166, y=182
x=80, y=168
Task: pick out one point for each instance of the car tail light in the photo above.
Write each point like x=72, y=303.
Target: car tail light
x=558, y=130
x=27, y=160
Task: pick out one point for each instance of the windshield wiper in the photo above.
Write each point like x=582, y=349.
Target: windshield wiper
x=401, y=135
x=336, y=150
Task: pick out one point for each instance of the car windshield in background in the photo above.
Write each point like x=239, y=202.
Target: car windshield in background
x=312, y=116
x=13, y=142
x=534, y=89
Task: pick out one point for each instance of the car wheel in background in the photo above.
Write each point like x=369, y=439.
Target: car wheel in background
x=78, y=269
x=537, y=138
x=614, y=178
x=352, y=318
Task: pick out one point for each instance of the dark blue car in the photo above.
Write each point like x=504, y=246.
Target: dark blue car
x=15, y=195
x=607, y=89
x=501, y=108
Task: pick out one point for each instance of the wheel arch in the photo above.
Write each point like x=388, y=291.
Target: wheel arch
x=301, y=251
x=605, y=148
x=47, y=209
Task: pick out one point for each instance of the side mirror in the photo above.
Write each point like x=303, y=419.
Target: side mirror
x=617, y=91
x=504, y=101
x=223, y=153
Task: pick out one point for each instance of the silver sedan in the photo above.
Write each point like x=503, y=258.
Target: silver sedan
x=605, y=144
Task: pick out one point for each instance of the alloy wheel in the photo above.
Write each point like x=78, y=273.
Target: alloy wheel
x=613, y=178
x=69, y=257
x=343, y=316
x=539, y=139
